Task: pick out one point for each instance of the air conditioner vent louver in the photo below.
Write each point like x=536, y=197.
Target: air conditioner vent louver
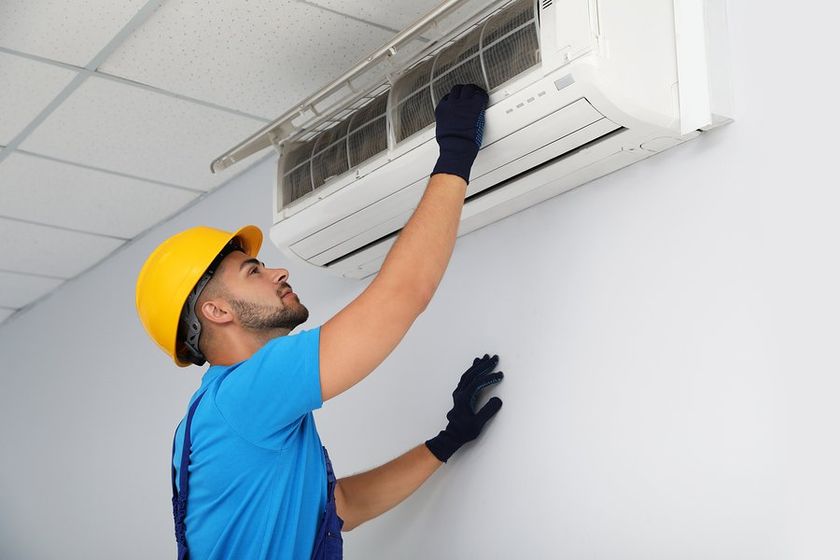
x=494, y=52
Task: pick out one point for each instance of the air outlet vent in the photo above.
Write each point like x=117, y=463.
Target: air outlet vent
x=492, y=53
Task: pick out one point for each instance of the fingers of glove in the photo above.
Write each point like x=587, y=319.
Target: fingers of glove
x=489, y=410
x=480, y=384
x=480, y=366
x=483, y=365
x=457, y=91
x=471, y=90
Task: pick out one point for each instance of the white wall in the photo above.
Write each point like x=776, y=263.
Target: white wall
x=668, y=336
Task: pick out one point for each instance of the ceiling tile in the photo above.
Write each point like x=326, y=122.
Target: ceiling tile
x=395, y=14
x=399, y=14
x=72, y=32
x=5, y=313
x=260, y=56
x=17, y=290
x=118, y=127
x=45, y=191
x=52, y=252
x=28, y=87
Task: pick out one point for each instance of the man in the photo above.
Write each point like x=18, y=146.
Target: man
x=250, y=477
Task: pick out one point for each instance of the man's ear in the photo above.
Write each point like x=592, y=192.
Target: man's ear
x=216, y=311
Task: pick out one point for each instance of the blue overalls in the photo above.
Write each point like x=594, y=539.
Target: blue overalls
x=328, y=542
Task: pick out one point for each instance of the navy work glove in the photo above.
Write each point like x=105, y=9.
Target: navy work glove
x=464, y=423
x=460, y=129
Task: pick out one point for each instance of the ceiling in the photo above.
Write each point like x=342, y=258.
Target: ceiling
x=111, y=112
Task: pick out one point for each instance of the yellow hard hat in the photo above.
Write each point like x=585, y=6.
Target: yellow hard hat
x=173, y=270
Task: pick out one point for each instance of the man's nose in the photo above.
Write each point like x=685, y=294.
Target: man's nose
x=280, y=275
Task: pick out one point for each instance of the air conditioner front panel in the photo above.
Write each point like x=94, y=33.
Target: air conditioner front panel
x=392, y=214
x=565, y=129
x=542, y=184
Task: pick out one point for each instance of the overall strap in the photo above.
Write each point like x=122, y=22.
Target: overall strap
x=330, y=472
x=179, y=499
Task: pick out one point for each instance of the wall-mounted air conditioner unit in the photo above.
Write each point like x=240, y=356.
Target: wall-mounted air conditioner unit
x=578, y=89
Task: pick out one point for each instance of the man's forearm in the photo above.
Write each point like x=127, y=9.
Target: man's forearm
x=369, y=494
x=419, y=257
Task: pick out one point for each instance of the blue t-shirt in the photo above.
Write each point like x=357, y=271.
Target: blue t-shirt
x=258, y=482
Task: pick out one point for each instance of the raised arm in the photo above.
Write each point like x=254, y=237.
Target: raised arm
x=363, y=334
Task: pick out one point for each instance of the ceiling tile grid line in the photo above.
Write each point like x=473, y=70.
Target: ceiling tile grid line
x=124, y=246
x=107, y=76
x=135, y=22
x=42, y=116
x=109, y=171
x=276, y=53
x=28, y=86
x=47, y=192
x=42, y=250
x=141, y=133
x=32, y=274
x=68, y=31
x=62, y=228
x=17, y=291
x=180, y=96
x=349, y=16
x=36, y=58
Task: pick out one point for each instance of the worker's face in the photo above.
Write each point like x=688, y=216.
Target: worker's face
x=260, y=297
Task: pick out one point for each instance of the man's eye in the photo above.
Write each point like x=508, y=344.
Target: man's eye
x=255, y=269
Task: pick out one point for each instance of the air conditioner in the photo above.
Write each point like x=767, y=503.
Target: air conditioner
x=578, y=89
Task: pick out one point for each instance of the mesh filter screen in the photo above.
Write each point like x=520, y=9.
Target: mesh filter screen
x=368, y=131
x=297, y=178
x=412, y=101
x=509, y=58
x=358, y=137
x=330, y=157
x=368, y=141
x=504, y=46
x=459, y=64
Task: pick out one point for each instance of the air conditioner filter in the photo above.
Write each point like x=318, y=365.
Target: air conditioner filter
x=490, y=54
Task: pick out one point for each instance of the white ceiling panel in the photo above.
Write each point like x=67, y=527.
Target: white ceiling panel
x=27, y=88
x=44, y=191
x=52, y=252
x=5, y=313
x=399, y=14
x=72, y=32
x=395, y=14
x=17, y=290
x=118, y=127
x=260, y=57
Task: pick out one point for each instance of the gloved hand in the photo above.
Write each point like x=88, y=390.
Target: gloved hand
x=460, y=129
x=464, y=423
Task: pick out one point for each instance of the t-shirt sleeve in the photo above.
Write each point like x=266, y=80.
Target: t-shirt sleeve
x=266, y=398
